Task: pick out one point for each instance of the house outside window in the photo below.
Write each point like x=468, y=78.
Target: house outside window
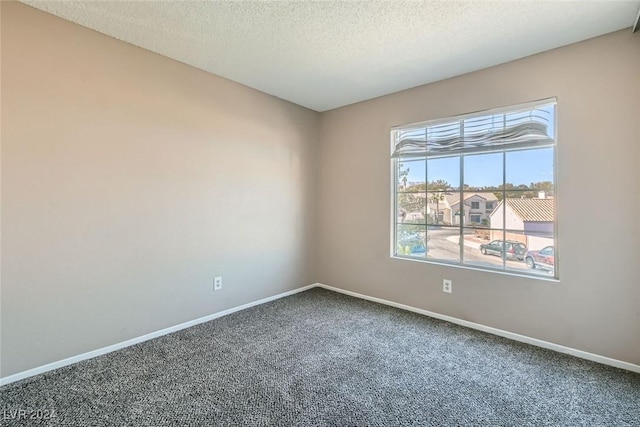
x=477, y=190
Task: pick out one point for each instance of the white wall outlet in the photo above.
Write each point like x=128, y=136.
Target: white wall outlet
x=217, y=283
x=447, y=286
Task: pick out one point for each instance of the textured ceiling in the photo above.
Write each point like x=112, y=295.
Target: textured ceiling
x=326, y=54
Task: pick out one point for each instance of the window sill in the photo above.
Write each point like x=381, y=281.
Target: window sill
x=550, y=278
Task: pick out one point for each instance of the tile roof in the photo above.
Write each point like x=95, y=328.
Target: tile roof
x=533, y=210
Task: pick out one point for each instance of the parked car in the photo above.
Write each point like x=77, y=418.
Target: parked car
x=543, y=259
x=509, y=249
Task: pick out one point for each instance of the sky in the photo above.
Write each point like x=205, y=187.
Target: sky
x=523, y=167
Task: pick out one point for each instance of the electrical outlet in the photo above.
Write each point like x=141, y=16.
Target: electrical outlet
x=217, y=283
x=447, y=286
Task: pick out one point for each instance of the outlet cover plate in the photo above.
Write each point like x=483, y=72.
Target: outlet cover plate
x=447, y=286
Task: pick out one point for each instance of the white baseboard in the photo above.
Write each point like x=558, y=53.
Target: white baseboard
x=506, y=334
x=516, y=337
x=104, y=350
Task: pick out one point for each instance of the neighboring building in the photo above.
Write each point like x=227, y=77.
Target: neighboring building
x=530, y=221
x=477, y=208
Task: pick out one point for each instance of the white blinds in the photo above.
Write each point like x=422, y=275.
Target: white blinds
x=480, y=132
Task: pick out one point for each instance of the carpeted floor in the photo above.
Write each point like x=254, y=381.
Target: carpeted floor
x=324, y=359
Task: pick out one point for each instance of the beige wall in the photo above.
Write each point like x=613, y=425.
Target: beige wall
x=128, y=182
x=595, y=307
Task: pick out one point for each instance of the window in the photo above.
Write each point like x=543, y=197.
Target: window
x=445, y=170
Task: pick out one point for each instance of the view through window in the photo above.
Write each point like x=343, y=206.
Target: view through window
x=478, y=190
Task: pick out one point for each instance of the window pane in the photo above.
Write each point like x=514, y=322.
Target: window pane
x=411, y=175
x=479, y=126
x=411, y=208
x=443, y=243
x=438, y=208
x=482, y=247
x=539, y=258
x=443, y=173
x=530, y=169
x=410, y=240
x=477, y=208
x=541, y=261
x=523, y=213
x=483, y=171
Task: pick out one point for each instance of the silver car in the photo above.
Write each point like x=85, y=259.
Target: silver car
x=508, y=249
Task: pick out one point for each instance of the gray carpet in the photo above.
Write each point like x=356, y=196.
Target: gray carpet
x=324, y=359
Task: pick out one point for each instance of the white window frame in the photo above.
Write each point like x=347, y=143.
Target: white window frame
x=460, y=264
